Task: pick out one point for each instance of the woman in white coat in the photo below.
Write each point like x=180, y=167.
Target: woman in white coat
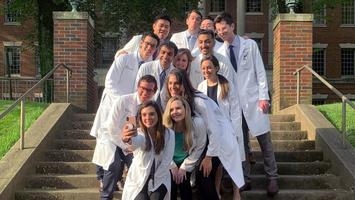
x=221, y=144
x=218, y=89
x=148, y=177
x=190, y=141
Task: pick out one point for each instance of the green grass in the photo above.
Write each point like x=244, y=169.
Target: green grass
x=10, y=125
x=333, y=113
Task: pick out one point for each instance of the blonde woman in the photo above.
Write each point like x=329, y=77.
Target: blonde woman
x=190, y=141
x=153, y=147
x=218, y=89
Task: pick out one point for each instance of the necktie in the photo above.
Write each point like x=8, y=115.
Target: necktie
x=162, y=77
x=192, y=41
x=232, y=58
x=140, y=63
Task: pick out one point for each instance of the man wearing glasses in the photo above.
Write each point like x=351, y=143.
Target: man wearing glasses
x=110, y=151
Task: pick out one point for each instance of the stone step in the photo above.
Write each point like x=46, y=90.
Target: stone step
x=295, y=168
x=70, y=144
x=63, y=194
x=65, y=168
x=285, y=126
x=75, y=134
x=69, y=155
x=286, y=145
x=282, y=118
x=295, y=194
x=84, y=117
x=82, y=125
x=288, y=135
x=62, y=181
x=294, y=156
x=324, y=181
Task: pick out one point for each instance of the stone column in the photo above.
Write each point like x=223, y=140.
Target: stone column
x=74, y=46
x=240, y=17
x=292, y=50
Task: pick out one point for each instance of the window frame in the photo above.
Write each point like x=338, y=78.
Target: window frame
x=254, y=12
x=14, y=46
x=216, y=12
x=323, y=47
x=342, y=15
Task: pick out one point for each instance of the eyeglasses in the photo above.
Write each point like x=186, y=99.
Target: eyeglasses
x=146, y=89
x=150, y=44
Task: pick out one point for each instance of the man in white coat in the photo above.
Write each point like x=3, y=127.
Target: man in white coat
x=187, y=39
x=160, y=68
x=251, y=85
x=206, y=42
x=161, y=28
x=110, y=149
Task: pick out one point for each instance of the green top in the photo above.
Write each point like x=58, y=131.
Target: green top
x=179, y=153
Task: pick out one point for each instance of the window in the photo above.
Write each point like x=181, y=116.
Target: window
x=108, y=49
x=348, y=10
x=318, y=60
x=13, y=61
x=347, y=61
x=253, y=6
x=217, y=5
x=319, y=17
x=10, y=15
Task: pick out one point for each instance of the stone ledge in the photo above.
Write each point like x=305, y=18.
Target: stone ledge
x=16, y=164
x=293, y=18
x=328, y=139
x=73, y=16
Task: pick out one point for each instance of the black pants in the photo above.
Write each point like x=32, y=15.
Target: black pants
x=206, y=185
x=184, y=188
x=158, y=194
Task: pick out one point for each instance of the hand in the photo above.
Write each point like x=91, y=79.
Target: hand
x=128, y=133
x=264, y=105
x=206, y=166
x=181, y=176
x=174, y=172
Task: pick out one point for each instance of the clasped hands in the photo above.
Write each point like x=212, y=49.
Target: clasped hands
x=179, y=175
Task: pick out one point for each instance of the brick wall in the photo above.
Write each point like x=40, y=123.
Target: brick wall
x=74, y=46
x=292, y=49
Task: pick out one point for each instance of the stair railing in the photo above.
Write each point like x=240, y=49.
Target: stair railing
x=344, y=99
x=22, y=100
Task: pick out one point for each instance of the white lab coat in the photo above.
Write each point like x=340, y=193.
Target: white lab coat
x=251, y=85
x=109, y=136
x=225, y=69
x=181, y=41
x=133, y=44
x=153, y=68
x=119, y=81
x=231, y=109
x=198, y=145
x=222, y=142
x=141, y=166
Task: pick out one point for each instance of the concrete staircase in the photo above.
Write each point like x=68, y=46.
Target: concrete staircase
x=65, y=172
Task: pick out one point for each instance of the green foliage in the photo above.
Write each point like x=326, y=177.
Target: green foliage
x=10, y=125
x=136, y=16
x=333, y=113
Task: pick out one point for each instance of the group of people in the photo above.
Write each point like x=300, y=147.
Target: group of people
x=181, y=110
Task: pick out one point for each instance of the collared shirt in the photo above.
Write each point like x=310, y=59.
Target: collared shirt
x=236, y=47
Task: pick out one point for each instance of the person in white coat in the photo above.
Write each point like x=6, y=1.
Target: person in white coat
x=220, y=90
x=222, y=145
x=251, y=85
x=187, y=39
x=160, y=68
x=207, y=24
x=109, y=149
x=206, y=43
x=161, y=28
x=190, y=141
x=183, y=60
x=153, y=149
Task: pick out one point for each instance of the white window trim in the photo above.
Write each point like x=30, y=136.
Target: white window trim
x=12, y=44
x=320, y=45
x=254, y=13
x=320, y=96
x=347, y=46
x=255, y=35
x=351, y=97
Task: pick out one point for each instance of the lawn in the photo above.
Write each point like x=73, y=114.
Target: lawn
x=10, y=125
x=333, y=113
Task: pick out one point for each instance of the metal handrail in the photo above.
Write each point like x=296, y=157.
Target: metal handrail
x=344, y=99
x=22, y=100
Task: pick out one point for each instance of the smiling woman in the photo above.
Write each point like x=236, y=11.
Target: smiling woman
x=9, y=126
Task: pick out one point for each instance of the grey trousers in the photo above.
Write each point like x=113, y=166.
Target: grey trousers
x=265, y=143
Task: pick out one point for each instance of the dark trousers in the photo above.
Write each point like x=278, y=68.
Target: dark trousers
x=184, y=188
x=158, y=194
x=125, y=160
x=206, y=185
x=265, y=143
x=110, y=176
